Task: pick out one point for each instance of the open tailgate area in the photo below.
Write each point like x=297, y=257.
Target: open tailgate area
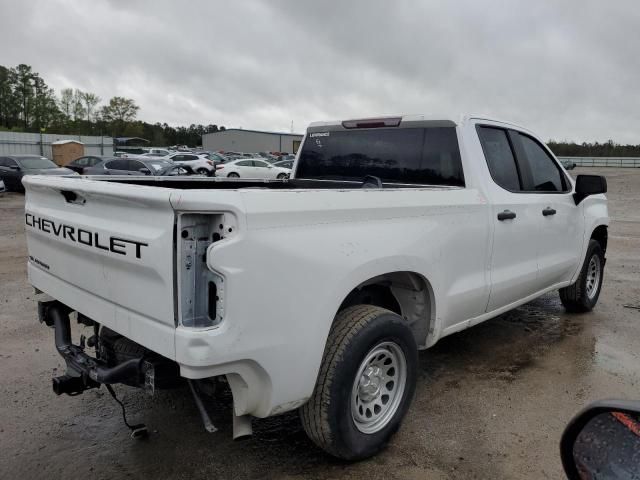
x=107, y=251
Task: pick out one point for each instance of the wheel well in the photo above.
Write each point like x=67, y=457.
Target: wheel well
x=406, y=293
x=601, y=235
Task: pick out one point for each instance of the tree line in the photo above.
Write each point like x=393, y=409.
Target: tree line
x=595, y=149
x=28, y=104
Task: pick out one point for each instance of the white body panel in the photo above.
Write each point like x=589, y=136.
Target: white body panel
x=292, y=259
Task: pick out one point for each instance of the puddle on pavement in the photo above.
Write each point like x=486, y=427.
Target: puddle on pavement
x=501, y=347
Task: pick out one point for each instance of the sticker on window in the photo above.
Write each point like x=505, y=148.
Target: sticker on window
x=318, y=134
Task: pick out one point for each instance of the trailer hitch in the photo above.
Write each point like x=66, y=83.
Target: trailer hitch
x=83, y=371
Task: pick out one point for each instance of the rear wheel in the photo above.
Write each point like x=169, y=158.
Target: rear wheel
x=583, y=295
x=282, y=176
x=365, y=385
x=203, y=171
x=233, y=175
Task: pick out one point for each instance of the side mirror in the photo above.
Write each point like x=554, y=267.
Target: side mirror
x=589, y=185
x=145, y=171
x=603, y=441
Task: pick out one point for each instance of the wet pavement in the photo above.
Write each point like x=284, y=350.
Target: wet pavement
x=491, y=401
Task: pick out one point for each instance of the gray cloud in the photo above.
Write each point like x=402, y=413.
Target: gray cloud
x=567, y=70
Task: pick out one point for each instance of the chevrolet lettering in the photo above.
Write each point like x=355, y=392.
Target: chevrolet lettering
x=121, y=246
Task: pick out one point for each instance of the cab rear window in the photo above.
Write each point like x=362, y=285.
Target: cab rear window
x=425, y=156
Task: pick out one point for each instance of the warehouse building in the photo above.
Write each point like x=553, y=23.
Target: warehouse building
x=238, y=140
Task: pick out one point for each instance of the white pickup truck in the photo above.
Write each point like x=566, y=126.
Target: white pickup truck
x=313, y=293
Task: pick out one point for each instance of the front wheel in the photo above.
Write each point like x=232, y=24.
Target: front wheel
x=583, y=295
x=282, y=176
x=233, y=175
x=366, y=383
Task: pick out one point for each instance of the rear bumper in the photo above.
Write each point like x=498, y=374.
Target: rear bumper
x=199, y=353
x=151, y=333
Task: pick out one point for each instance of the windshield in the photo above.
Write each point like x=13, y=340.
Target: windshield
x=30, y=163
x=425, y=156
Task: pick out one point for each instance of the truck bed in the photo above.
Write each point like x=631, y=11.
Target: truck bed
x=199, y=183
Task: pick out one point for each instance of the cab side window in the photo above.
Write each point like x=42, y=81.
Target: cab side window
x=544, y=173
x=500, y=159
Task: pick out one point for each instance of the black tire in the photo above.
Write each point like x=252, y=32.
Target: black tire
x=233, y=175
x=202, y=171
x=328, y=417
x=576, y=298
x=282, y=176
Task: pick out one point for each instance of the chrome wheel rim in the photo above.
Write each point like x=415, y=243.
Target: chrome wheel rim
x=378, y=387
x=593, y=276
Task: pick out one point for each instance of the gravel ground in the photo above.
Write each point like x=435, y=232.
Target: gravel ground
x=491, y=401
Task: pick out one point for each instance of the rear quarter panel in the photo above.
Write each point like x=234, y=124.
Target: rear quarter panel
x=301, y=252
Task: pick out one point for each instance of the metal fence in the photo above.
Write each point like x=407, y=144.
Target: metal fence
x=624, y=162
x=14, y=143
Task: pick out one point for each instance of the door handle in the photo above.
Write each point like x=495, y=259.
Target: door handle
x=548, y=211
x=506, y=215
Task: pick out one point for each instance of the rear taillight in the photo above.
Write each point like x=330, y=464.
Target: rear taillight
x=209, y=162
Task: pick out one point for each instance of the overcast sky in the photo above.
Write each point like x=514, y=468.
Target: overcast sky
x=566, y=69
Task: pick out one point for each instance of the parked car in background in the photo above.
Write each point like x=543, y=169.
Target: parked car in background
x=148, y=155
x=284, y=164
x=568, y=164
x=285, y=156
x=268, y=156
x=14, y=167
x=158, y=152
x=81, y=164
x=173, y=170
x=251, y=168
x=213, y=156
x=129, y=166
x=199, y=163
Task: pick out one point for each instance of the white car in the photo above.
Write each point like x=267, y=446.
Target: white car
x=159, y=152
x=2, y=187
x=198, y=163
x=251, y=168
x=391, y=234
